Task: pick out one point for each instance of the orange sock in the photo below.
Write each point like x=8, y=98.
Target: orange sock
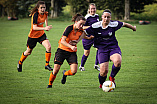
x=47, y=57
x=68, y=73
x=23, y=57
x=51, y=79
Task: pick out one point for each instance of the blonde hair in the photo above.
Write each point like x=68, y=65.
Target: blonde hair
x=88, y=11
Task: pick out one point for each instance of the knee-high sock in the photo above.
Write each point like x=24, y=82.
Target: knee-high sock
x=102, y=79
x=47, y=57
x=114, y=71
x=23, y=57
x=83, y=61
x=51, y=79
x=69, y=73
x=96, y=60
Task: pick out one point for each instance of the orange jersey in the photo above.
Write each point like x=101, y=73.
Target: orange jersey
x=71, y=35
x=39, y=20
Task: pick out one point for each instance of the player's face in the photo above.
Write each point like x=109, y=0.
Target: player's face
x=106, y=17
x=92, y=9
x=79, y=24
x=42, y=8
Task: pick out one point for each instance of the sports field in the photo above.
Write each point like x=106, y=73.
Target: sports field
x=136, y=81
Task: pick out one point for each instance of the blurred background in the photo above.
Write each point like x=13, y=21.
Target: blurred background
x=65, y=9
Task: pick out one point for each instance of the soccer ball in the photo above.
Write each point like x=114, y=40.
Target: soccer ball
x=108, y=86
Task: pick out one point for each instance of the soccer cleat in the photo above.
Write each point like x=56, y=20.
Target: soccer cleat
x=112, y=79
x=49, y=86
x=97, y=67
x=64, y=77
x=100, y=86
x=48, y=67
x=82, y=68
x=19, y=67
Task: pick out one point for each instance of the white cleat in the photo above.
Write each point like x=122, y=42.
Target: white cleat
x=82, y=68
x=97, y=67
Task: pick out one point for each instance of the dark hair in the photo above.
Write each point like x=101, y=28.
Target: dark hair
x=106, y=10
x=35, y=9
x=78, y=17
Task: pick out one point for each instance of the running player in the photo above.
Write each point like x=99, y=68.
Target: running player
x=67, y=49
x=107, y=44
x=91, y=17
x=37, y=34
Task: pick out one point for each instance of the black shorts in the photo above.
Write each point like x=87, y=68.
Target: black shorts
x=31, y=42
x=61, y=55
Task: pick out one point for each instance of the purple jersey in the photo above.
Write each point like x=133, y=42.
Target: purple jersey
x=90, y=20
x=104, y=38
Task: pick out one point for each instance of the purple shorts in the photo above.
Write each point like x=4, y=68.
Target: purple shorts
x=104, y=54
x=87, y=43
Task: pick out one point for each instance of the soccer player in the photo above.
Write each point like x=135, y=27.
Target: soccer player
x=91, y=17
x=67, y=49
x=107, y=44
x=37, y=34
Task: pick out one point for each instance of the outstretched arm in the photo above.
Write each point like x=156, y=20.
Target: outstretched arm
x=129, y=26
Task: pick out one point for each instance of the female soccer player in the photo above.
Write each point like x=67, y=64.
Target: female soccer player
x=107, y=44
x=37, y=34
x=67, y=49
x=91, y=17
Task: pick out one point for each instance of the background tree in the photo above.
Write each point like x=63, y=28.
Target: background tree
x=56, y=7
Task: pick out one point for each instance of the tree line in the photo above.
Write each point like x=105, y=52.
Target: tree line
x=120, y=8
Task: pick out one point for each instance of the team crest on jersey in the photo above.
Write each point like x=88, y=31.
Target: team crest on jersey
x=110, y=33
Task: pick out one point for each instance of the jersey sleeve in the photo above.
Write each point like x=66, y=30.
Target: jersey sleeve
x=35, y=18
x=120, y=24
x=68, y=30
x=89, y=30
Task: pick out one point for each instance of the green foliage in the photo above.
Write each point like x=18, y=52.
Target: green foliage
x=136, y=81
x=150, y=13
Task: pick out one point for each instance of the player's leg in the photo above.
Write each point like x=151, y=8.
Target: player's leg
x=86, y=45
x=31, y=43
x=103, y=73
x=47, y=45
x=53, y=75
x=103, y=59
x=72, y=71
x=96, y=66
x=116, y=59
x=72, y=60
x=22, y=58
x=58, y=61
x=84, y=59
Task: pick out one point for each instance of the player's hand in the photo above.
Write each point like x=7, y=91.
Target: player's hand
x=73, y=42
x=91, y=37
x=74, y=48
x=47, y=28
x=134, y=28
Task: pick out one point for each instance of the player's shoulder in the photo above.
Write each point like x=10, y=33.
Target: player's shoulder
x=70, y=27
x=88, y=16
x=96, y=24
x=113, y=23
x=35, y=14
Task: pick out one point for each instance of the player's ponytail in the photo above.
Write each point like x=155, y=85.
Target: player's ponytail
x=78, y=17
x=35, y=9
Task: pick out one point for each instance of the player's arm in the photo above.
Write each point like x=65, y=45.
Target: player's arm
x=46, y=21
x=63, y=41
x=129, y=26
x=85, y=27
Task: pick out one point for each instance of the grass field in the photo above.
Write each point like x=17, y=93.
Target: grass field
x=136, y=81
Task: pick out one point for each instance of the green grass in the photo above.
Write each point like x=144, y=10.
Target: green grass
x=136, y=81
